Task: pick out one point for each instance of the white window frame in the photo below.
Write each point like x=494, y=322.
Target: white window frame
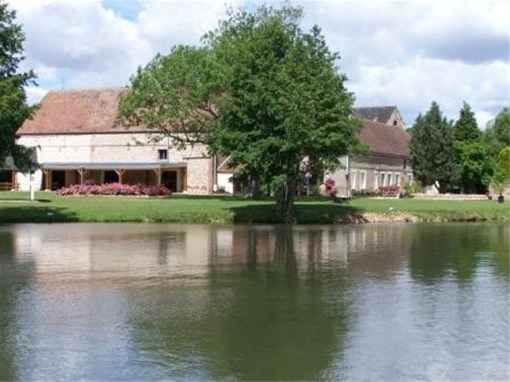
x=363, y=180
x=383, y=179
x=353, y=179
x=397, y=180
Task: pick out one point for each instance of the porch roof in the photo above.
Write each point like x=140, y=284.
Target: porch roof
x=111, y=165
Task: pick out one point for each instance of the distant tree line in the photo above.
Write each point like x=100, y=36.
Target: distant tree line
x=458, y=155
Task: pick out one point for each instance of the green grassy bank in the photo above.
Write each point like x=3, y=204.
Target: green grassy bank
x=15, y=208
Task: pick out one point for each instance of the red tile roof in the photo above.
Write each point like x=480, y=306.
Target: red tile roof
x=385, y=139
x=76, y=112
x=375, y=113
x=94, y=111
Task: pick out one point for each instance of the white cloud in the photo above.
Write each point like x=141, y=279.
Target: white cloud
x=403, y=53
x=415, y=84
x=34, y=94
x=410, y=53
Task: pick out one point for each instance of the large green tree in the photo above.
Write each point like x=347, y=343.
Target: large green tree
x=264, y=92
x=497, y=133
x=473, y=157
x=476, y=166
x=432, y=149
x=466, y=128
x=13, y=107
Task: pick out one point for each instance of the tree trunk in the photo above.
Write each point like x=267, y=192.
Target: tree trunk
x=255, y=190
x=285, y=202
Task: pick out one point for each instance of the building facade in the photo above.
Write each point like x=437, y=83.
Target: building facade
x=387, y=161
x=77, y=139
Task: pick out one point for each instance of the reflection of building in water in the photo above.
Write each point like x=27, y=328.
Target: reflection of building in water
x=164, y=249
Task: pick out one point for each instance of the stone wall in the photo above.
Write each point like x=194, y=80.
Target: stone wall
x=122, y=147
x=366, y=173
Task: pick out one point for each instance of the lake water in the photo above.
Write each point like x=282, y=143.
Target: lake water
x=181, y=302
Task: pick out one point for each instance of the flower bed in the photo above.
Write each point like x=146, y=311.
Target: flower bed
x=113, y=189
x=389, y=190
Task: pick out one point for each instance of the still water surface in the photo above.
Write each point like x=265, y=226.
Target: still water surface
x=139, y=301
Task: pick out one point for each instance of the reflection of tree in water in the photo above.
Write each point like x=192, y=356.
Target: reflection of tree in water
x=13, y=280
x=437, y=253
x=269, y=320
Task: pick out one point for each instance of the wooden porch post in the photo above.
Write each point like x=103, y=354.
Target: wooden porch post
x=81, y=171
x=120, y=172
x=47, y=179
x=184, y=184
x=157, y=172
x=13, y=179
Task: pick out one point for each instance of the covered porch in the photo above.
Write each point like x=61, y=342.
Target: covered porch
x=8, y=175
x=171, y=175
x=7, y=180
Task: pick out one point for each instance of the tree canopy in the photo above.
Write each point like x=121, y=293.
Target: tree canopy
x=472, y=154
x=497, y=133
x=476, y=166
x=13, y=107
x=432, y=149
x=260, y=90
x=466, y=128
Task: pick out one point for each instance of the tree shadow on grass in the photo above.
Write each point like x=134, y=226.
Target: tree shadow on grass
x=306, y=213
x=222, y=197
x=35, y=214
x=24, y=196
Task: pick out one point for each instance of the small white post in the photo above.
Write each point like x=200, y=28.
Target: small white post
x=32, y=193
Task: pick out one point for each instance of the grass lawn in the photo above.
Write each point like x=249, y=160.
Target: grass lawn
x=15, y=207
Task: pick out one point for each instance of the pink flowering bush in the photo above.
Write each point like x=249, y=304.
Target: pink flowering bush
x=330, y=185
x=113, y=189
x=389, y=190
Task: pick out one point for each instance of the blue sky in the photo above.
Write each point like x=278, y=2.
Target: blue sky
x=404, y=53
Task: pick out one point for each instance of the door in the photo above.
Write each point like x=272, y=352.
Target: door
x=169, y=180
x=58, y=179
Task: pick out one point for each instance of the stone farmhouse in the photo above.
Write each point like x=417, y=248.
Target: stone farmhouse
x=387, y=161
x=77, y=139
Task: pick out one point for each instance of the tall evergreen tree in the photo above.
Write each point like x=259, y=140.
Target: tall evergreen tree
x=432, y=151
x=502, y=126
x=13, y=107
x=472, y=153
x=466, y=128
x=497, y=133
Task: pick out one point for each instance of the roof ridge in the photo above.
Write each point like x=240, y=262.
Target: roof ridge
x=78, y=90
x=375, y=107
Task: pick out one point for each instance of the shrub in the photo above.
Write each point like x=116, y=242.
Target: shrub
x=113, y=189
x=365, y=193
x=331, y=189
x=389, y=190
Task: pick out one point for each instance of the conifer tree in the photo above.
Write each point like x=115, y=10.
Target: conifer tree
x=432, y=151
x=466, y=128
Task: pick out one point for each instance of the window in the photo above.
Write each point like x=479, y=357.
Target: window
x=383, y=178
x=353, y=177
x=163, y=154
x=397, y=180
x=388, y=180
x=362, y=180
x=395, y=123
